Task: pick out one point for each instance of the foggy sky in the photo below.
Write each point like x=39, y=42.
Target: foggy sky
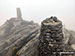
x=38, y=10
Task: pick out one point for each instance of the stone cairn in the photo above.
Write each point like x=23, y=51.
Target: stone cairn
x=51, y=37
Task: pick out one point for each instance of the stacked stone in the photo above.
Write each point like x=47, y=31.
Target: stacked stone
x=51, y=37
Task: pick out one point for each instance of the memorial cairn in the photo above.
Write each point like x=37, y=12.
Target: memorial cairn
x=51, y=37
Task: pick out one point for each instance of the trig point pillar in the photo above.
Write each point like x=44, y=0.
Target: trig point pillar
x=19, y=15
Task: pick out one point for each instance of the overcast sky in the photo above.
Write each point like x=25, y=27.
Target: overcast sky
x=38, y=10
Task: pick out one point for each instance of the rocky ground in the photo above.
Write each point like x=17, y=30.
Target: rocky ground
x=21, y=38
x=15, y=34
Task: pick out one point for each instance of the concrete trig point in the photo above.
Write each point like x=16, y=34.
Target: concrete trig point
x=19, y=15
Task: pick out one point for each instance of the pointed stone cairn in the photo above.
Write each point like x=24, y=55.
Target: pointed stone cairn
x=51, y=37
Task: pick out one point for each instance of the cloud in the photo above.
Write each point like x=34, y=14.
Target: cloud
x=38, y=10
